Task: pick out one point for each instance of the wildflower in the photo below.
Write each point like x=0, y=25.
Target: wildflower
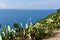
x=9, y=28
x=49, y=20
x=37, y=25
x=0, y=37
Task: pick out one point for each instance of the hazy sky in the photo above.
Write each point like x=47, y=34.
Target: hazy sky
x=29, y=4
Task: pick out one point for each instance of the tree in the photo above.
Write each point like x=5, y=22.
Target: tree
x=16, y=25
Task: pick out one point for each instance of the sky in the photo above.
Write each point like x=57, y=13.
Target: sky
x=29, y=4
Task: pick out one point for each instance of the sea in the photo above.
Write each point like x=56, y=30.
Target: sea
x=11, y=16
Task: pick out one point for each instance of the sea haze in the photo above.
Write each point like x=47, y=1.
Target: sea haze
x=10, y=16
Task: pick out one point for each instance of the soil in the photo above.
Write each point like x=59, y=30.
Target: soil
x=56, y=35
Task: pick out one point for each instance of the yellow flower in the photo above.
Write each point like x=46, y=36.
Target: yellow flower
x=49, y=20
x=37, y=25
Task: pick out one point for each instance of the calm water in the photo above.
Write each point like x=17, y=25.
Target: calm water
x=10, y=16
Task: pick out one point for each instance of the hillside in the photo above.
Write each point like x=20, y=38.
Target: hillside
x=43, y=29
x=53, y=16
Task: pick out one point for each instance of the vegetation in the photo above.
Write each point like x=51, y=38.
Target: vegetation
x=43, y=28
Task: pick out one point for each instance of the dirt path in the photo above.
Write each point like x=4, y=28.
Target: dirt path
x=56, y=36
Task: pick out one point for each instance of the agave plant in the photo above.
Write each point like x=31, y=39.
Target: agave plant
x=19, y=31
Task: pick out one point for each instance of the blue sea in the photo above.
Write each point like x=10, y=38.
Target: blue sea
x=11, y=16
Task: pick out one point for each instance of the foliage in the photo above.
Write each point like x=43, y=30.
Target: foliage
x=16, y=25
